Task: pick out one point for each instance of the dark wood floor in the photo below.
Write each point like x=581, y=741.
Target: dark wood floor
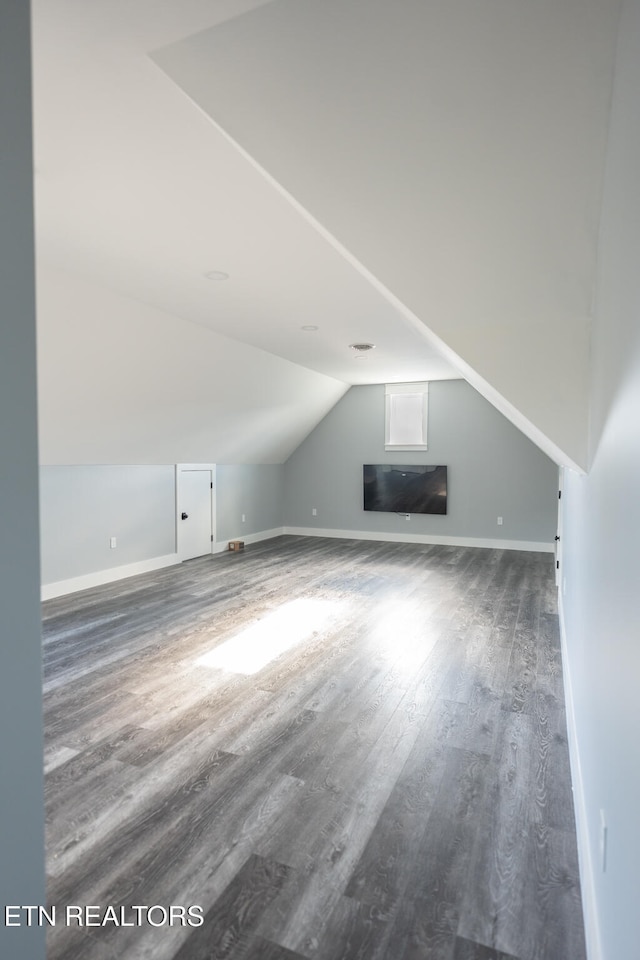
x=395, y=785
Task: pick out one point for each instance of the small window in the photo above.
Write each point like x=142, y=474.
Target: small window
x=406, y=416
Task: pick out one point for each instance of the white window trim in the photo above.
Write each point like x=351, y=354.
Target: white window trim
x=403, y=389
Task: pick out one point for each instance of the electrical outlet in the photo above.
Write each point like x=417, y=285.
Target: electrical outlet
x=244, y=519
x=113, y=543
x=603, y=841
x=314, y=512
x=408, y=516
x=499, y=521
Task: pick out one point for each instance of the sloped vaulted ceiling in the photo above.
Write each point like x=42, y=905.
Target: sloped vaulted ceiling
x=454, y=154
x=138, y=197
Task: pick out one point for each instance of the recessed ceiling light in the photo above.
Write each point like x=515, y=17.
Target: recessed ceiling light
x=361, y=348
x=309, y=326
x=216, y=275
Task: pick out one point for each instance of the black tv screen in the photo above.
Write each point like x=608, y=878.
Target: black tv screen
x=393, y=488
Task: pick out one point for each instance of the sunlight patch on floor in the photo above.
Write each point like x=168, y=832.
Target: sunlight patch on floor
x=256, y=646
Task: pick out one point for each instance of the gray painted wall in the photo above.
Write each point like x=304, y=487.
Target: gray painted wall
x=493, y=470
x=21, y=802
x=82, y=507
x=253, y=490
x=601, y=537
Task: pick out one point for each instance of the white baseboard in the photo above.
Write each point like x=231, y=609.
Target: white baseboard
x=529, y=545
x=221, y=545
x=63, y=587
x=587, y=875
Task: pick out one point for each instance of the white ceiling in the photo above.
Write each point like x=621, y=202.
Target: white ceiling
x=136, y=188
x=456, y=151
x=423, y=176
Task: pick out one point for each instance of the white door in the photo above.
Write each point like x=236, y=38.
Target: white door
x=194, y=513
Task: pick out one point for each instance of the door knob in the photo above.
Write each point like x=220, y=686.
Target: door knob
x=185, y=516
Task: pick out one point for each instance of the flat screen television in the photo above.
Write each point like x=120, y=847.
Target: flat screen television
x=395, y=488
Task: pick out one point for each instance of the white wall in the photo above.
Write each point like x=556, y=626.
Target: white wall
x=122, y=382
x=82, y=507
x=249, y=490
x=21, y=800
x=493, y=470
x=601, y=569
x=456, y=151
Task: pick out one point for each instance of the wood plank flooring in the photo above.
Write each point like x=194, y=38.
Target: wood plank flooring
x=393, y=786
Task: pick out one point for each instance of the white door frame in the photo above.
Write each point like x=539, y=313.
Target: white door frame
x=558, y=541
x=183, y=468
